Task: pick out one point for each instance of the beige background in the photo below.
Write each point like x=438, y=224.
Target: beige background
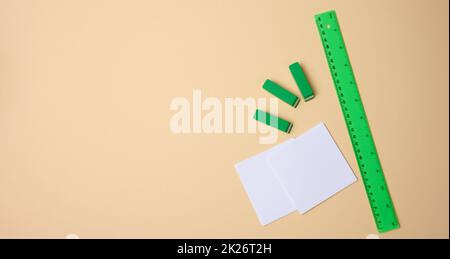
x=85, y=87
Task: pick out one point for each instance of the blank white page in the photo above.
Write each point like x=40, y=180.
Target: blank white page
x=311, y=168
x=269, y=199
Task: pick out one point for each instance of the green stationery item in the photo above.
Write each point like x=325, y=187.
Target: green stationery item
x=273, y=121
x=356, y=121
x=281, y=93
x=302, y=82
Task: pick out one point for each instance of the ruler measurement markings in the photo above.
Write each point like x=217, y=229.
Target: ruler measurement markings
x=356, y=121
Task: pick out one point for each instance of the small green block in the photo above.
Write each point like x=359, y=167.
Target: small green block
x=302, y=82
x=281, y=93
x=273, y=121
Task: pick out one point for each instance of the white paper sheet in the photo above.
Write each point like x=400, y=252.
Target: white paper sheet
x=268, y=197
x=311, y=168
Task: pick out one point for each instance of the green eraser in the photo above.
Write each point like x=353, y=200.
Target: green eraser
x=302, y=82
x=281, y=93
x=273, y=121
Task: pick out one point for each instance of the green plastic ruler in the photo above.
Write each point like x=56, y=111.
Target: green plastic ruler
x=356, y=120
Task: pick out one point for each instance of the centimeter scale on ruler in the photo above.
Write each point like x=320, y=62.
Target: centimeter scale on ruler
x=356, y=121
